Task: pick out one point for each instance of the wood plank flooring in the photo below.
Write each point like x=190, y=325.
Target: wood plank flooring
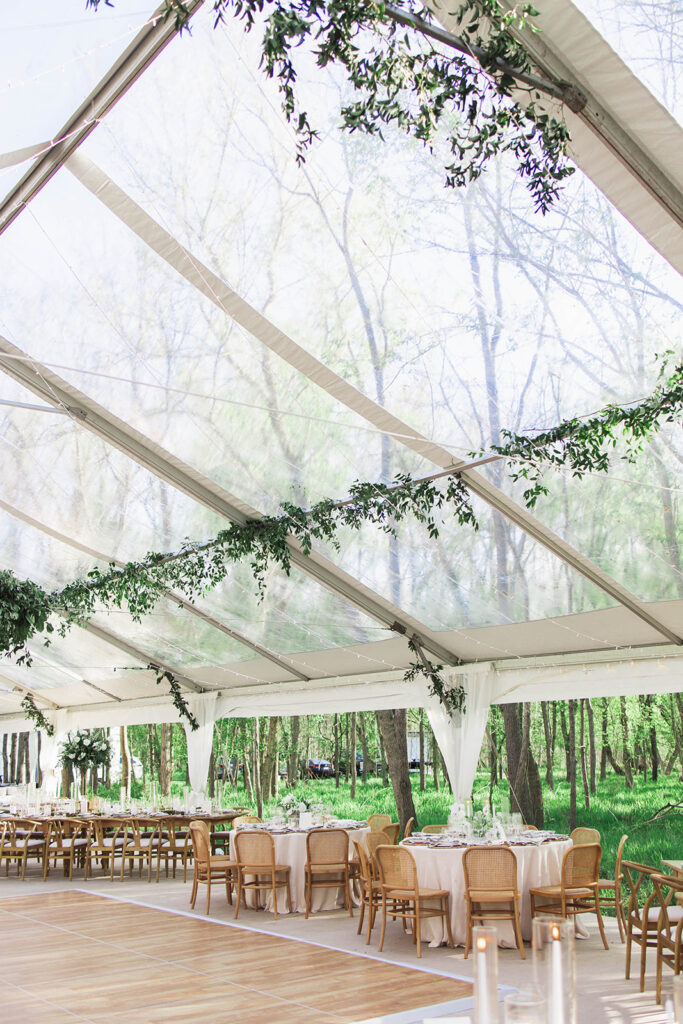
x=74, y=956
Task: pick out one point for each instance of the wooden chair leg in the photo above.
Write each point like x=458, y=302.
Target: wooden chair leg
x=600, y=923
x=193, y=897
x=208, y=891
x=418, y=930
x=629, y=942
x=239, y=892
x=289, y=896
x=384, y=923
x=361, y=916
x=658, y=986
x=643, y=955
x=518, y=930
x=447, y=915
x=307, y=884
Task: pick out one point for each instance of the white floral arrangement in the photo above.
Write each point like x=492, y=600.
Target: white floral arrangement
x=292, y=804
x=85, y=750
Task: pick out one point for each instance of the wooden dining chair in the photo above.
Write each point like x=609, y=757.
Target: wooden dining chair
x=370, y=890
x=105, y=845
x=68, y=841
x=209, y=867
x=372, y=841
x=245, y=819
x=402, y=896
x=23, y=839
x=141, y=843
x=254, y=853
x=175, y=845
x=585, y=836
x=491, y=883
x=669, y=927
x=642, y=913
x=376, y=822
x=434, y=830
x=577, y=892
x=609, y=891
x=327, y=864
x=392, y=831
x=408, y=830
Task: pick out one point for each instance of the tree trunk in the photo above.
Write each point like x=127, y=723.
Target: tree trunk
x=549, y=781
x=347, y=759
x=107, y=767
x=605, y=741
x=593, y=753
x=353, y=755
x=293, y=762
x=13, y=760
x=336, y=751
x=435, y=760
x=257, y=769
x=392, y=727
x=654, y=750
x=571, y=737
x=5, y=760
x=526, y=797
x=246, y=759
x=211, y=781
x=565, y=739
x=364, y=747
x=584, y=767
x=165, y=768
x=422, y=750
x=628, y=772
x=125, y=760
x=270, y=763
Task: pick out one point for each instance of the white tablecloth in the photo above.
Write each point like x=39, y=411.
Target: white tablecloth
x=442, y=869
x=290, y=848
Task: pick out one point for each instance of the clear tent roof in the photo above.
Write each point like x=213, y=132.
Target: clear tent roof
x=460, y=312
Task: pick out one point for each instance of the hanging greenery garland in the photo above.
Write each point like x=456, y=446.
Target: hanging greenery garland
x=33, y=712
x=399, y=77
x=137, y=587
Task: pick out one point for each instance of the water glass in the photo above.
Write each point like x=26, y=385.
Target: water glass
x=524, y=1008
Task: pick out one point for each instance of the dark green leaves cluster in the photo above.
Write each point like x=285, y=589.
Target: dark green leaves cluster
x=33, y=712
x=400, y=78
x=24, y=611
x=453, y=698
x=179, y=701
x=586, y=446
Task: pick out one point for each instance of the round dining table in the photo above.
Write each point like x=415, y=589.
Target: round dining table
x=290, y=848
x=439, y=866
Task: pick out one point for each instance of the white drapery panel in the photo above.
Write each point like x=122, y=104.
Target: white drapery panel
x=460, y=736
x=49, y=751
x=199, y=741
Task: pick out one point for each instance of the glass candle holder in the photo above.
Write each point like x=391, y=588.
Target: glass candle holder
x=525, y=1008
x=554, y=961
x=485, y=942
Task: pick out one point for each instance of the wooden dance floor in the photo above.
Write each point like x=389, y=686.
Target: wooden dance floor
x=73, y=956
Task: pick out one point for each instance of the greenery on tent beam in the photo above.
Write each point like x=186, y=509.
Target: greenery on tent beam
x=401, y=78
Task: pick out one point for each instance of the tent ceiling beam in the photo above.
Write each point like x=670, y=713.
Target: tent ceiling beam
x=27, y=689
x=94, y=417
x=114, y=640
x=215, y=289
x=171, y=594
x=573, y=97
x=146, y=46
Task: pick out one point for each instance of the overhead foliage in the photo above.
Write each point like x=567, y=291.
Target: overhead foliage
x=586, y=445
x=137, y=587
x=399, y=77
x=33, y=712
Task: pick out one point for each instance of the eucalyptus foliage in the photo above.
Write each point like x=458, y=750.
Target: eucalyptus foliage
x=33, y=712
x=399, y=77
x=586, y=445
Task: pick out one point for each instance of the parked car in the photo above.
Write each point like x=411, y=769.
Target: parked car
x=318, y=768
